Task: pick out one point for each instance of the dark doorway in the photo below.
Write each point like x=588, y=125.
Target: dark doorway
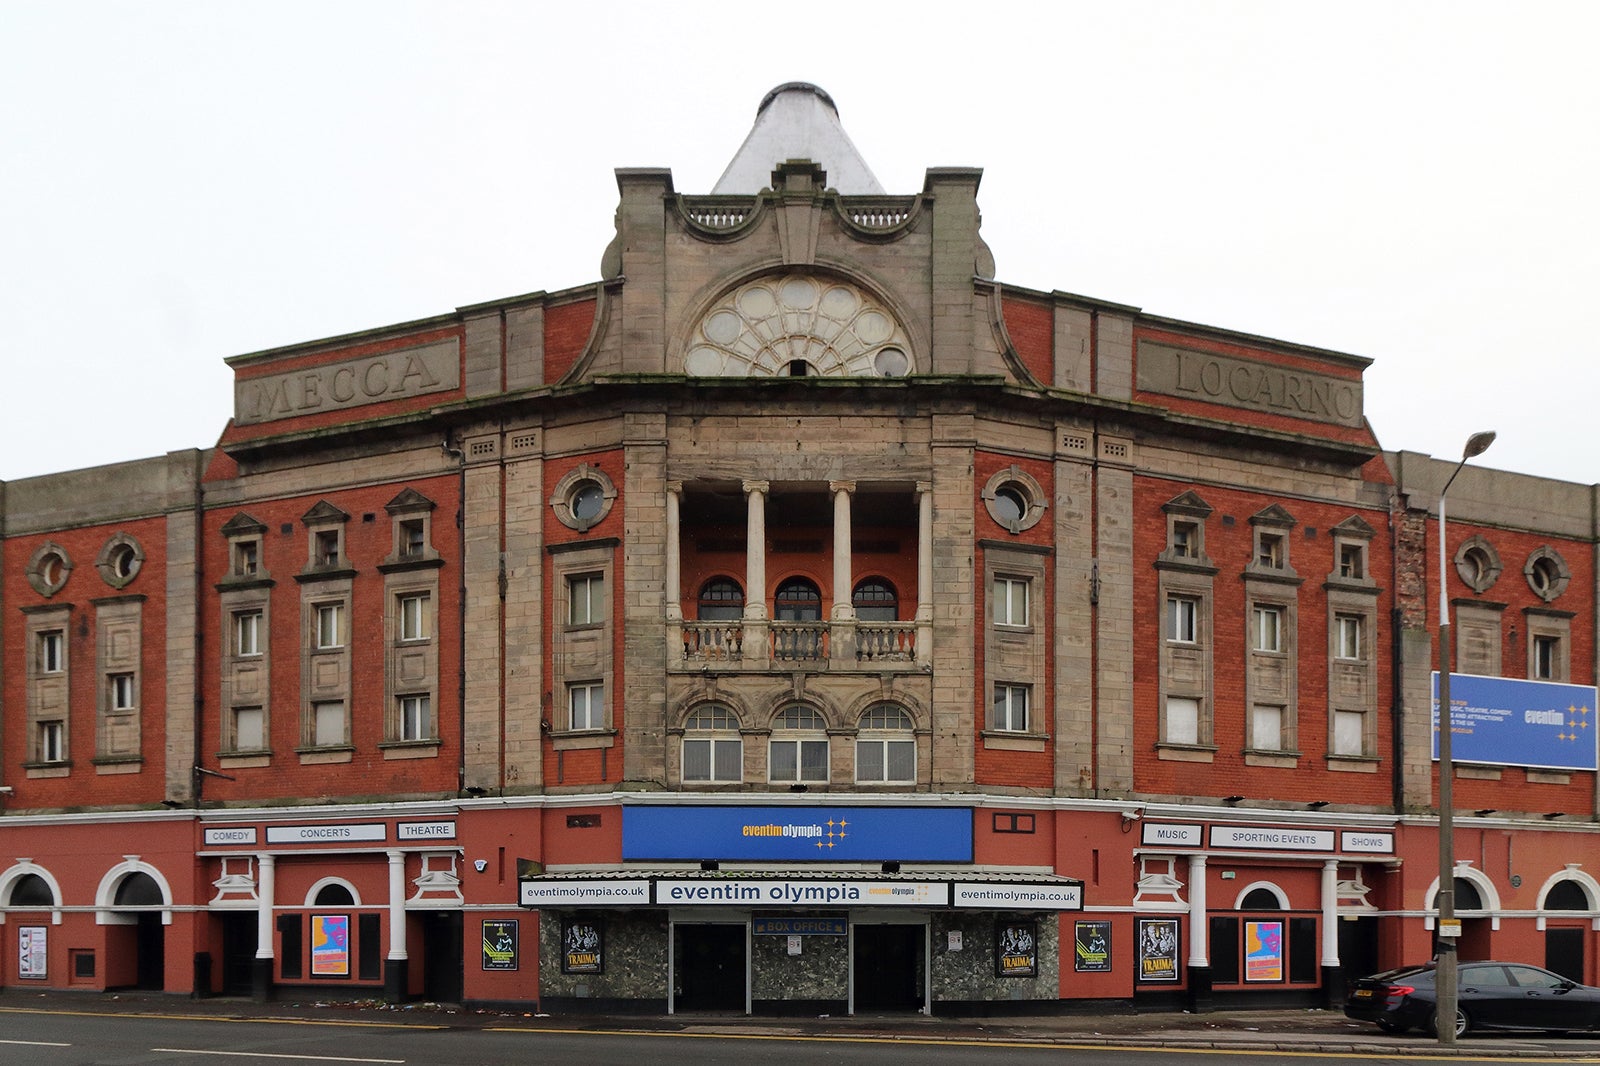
x=1358, y=947
x=709, y=967
x=441, y=956
x=152, y=949
x=239, y=944
x=887, y=970
x=1563, y=952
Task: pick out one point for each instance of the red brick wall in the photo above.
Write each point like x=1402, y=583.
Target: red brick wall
x=566, y=331
x=1031, y=324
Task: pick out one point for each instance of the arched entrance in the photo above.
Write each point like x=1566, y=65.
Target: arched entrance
x=148, y=940
x=1564, y=938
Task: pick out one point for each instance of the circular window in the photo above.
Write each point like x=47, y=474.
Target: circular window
x=583, y=497
x=119, y=561
x=1477, y=564
x=1547, y=574
x=1014, y=499
x=891, y=363
x=49, y=569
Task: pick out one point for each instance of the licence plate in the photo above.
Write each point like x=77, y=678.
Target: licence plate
x=1363, y=993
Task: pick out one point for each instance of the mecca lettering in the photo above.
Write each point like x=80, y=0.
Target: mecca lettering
x=336, y=386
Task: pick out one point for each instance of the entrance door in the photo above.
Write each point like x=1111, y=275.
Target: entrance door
x=441, y=956
x=887, y=968
x=709, y=967
x=1563, y=952
x=239, y=943
x=1358, y=947
x=152, y=943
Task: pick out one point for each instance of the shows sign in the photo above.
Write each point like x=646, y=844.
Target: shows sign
x=1507, y=722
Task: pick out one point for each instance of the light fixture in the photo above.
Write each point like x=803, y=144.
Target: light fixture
x=1231, y=799
x=1483, y=812
x=1317, y=805
x=1556, y=814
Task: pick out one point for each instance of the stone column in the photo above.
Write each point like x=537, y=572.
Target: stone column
x=925, y=573
x=1332, y=982
x=842, y=630
x=1199, y=943
x=266, y=891
x=394, y=966
x=755, y=571
x=673, y=579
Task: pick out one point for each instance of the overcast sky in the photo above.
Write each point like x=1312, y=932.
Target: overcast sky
x=1412, y=182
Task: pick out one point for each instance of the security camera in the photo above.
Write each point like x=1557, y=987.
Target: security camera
x=1131, y=816
x=6, y=790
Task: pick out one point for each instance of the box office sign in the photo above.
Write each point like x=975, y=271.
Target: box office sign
x=1158, y=949
x=500, y=945
x=1016, y=949
x=583, y=946
x=798, y=834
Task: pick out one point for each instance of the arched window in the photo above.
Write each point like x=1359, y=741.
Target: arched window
x=721, y=600
x=798, y=751
x=138, y=890
x=886, y=749
x=1260, y=899
x=798, y=600
x=334, y=895
x=875, y=601
x=1467, y=898
x=1566, y=896
x=712, y=748
x=31, y=890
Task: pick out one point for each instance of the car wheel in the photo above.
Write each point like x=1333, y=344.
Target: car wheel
x=1463, y=1023
x=1395, y=1028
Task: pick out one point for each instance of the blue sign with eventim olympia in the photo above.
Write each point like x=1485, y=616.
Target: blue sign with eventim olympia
x=1506, y=721
x=798, y=834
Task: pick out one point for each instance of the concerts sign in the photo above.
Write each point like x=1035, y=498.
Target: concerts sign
x=798, y=834
x=1504, y=721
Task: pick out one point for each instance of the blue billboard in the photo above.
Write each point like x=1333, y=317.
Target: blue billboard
x=1508, y=722
x=798, y=834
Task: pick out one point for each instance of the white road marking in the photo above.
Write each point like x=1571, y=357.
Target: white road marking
x=264, y=1055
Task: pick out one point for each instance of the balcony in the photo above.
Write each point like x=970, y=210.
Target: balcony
x=758, y=645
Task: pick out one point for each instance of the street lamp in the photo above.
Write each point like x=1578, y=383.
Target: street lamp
x=1445, y=972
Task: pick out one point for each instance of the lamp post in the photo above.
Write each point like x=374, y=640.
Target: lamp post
x=1445, y=972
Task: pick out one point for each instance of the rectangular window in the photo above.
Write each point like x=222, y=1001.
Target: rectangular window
x=711, y=759
x=416, y=621
x=1352, y=561
x=1182, y=613
x=586, y=604
x=325, y=548
x=52, y=647
x=1266, y=727
x=798, y=760
x=1347, y=636
x=1269, y=629
x=1183, y=720
x=1349, y=733
x=52, y=740
x=586, y=702
x=881, y=762
x=1010, y=708
x=121, y=691
x=1010, y=601
x=247, y=633
x=412, y=538
x=1186, y=540
x=246, y=557
x=328, y=724
x=330, y=625
x=1546, y=658
x=1269, y=556
x=416, y=717
x=249, y=729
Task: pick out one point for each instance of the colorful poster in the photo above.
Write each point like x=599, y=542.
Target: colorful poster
x=1158, y=949
x=1092, y=947
x=1263, y=951
x=330, y=945
x=32, y=952
x=583, y=947
x=500, y=945
x=1016, y=949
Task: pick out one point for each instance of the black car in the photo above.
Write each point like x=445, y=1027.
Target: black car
x=1490, y=995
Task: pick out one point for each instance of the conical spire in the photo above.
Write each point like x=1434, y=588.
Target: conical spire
x=797, y=120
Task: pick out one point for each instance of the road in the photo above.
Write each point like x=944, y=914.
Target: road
x=85, y=1038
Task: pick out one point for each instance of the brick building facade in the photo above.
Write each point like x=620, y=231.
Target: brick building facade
x=796, y=618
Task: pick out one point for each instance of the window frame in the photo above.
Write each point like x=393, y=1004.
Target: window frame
x=321, y=614
x=1182, y=623
x=1349, y=629
x=122, y=691
x=1011, y=702
x=720, y=733
x=414, y=717
x=314, y=723
x=593, y=692
x=247, y=622
x=1259, y=613
x=800, y=738
x=52, y=651
x=592, y=601
x=413, y=617
x=1006, y=609
x=50, y=739
x=234, y=716
x=873, y=734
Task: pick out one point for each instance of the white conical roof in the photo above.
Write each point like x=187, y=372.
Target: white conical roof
x=797, y=120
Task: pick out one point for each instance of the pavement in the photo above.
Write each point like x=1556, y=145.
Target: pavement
x=1320, y=1031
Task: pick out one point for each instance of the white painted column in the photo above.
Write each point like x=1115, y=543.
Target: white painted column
x=925, y=573
x=843, y=604
x=755, y=548
x=1199, y=922
x=397, y=905
x=673, y=592
x=1330, y=913
x=266, y=894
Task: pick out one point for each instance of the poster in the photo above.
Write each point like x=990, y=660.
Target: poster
x=1263, y=951
x=583, y=947
x=1092, y=943
x=1158, y=949
x=330, y=945
x=500, y=945
x=1016, y=949
x=32, y=952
